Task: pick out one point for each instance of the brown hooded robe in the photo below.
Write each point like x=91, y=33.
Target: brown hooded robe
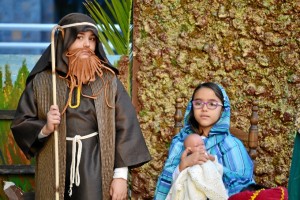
x=119, y=143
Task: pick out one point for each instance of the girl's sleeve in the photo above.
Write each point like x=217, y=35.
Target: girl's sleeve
x=131, y=149
x=165, y=179
x=237, y=167
x=175, y=173
x=26, y=126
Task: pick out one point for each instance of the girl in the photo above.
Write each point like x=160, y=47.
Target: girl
x=208, y=114
x=99, y=137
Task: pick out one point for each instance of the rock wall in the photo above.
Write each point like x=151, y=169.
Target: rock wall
x=249, y=47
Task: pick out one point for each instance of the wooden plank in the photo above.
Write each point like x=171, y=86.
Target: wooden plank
x=7, y=114
x=16, y=169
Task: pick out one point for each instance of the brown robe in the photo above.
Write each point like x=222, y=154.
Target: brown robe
x=119, y=143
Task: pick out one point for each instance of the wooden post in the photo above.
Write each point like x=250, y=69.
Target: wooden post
x=178, y=115
x=253, y=132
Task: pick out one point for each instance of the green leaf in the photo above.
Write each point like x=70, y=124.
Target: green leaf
x=119, y=12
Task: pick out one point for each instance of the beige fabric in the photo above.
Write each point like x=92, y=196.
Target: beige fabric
x=45, y=169
x=199, y=182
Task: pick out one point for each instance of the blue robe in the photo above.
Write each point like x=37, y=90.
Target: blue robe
x=230, y=151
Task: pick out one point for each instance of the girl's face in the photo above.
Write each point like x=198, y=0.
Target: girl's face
x=204, y=116
x=84, y=40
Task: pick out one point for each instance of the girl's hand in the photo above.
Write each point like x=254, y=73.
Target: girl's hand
x=198, y=157
x=53, y=119
x=211, y=157
x=118, y=189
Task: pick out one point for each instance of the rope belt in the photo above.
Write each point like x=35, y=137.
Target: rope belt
x=74, y=170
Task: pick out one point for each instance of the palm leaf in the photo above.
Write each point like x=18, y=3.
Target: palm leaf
x=102, y=38
x=109, y=33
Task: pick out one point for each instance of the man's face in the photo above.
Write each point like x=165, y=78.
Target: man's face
x=84, y=40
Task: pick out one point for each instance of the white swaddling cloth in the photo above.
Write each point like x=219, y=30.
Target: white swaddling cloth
x=199, y=182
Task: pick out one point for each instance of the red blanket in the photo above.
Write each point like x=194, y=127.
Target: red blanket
x=277, y=193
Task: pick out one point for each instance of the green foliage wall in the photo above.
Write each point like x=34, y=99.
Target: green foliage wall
x=250, y=47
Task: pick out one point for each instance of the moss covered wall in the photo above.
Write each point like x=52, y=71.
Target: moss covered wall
x=250, y=47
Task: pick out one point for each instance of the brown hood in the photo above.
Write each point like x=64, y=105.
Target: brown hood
x=63, y=43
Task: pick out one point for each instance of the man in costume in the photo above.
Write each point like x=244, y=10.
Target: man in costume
x=99, y=136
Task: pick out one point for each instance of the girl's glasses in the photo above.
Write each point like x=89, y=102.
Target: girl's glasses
x=211, y=105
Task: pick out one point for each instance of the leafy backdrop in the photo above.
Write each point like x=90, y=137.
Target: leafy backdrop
x=250, y=47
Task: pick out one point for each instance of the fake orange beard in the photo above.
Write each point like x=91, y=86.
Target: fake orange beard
x=83, y=71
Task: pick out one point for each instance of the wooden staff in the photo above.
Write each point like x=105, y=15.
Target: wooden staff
x=55, y=28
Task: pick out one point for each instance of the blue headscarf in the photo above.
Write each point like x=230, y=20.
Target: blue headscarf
x=231, y=153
